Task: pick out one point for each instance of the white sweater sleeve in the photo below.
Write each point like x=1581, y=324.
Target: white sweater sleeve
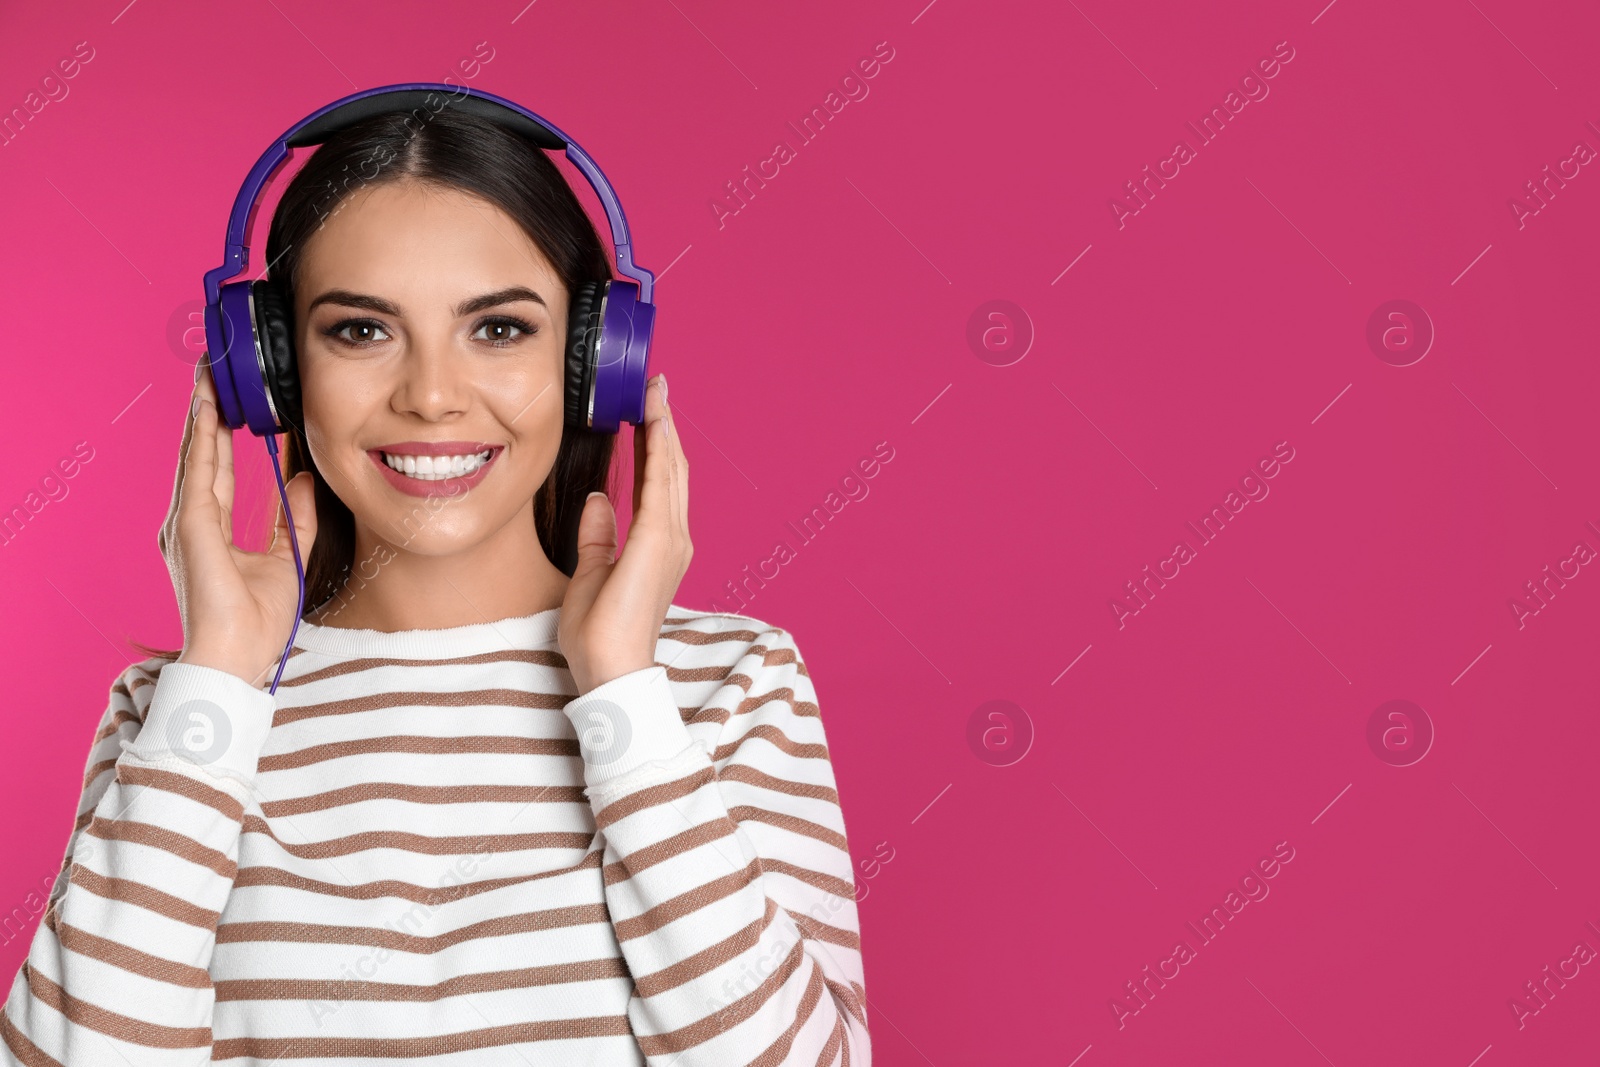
x=727, y=872
x=117, y=971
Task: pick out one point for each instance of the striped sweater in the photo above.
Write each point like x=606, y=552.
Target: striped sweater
x=425, y=847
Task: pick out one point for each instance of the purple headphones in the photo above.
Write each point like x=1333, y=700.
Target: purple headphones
x=249, y=324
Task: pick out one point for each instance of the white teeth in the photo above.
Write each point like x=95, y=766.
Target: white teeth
x=434, y=468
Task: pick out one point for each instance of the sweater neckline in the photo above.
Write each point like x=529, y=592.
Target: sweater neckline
x=519, y=632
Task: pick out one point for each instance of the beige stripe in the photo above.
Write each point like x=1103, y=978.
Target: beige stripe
x=118, y=717
x=835, y=1043
x=472, y=699
x=164, y=839
x=183, y=785
x=741, y=772
x=273, y=1049
x=777, y=655
x=382, y=937
x=687, y=903
x=707, y=715
x=770, y=657
x=726, y=674
x=702, y=638
x=707, y=959
x=460, y=985
x=666, y=792
x=419, y=843
x=421, y=745
x=702, y=1030
x=783, y=694
x=96, y=770
x=101, y=1020
x=131, y=959
x=710, y=673
x=792, y=823
x=146, y=897
x=650, y=855
x=770, y=733
x=809, y=927
x=740, y=679
x=847, y=996
x=684, y=620
x=826, y=882
x=743, y=941
x=274, y=876
x=778, y=1052
x=537, y=656
x=817, y=930
x=26, y=1052
x=426, y=794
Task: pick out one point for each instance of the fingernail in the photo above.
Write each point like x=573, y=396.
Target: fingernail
x=194, y=405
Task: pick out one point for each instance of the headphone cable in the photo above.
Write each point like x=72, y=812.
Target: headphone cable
x=294, y=544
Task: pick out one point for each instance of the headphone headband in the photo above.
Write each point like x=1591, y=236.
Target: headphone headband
x=317, y=127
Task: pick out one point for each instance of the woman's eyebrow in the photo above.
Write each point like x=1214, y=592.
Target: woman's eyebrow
x=346, y=298
x=496, y=298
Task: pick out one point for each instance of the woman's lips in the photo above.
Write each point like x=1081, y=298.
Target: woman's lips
x=434, y=487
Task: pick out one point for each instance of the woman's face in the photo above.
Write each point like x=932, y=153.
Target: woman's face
x=428, y=322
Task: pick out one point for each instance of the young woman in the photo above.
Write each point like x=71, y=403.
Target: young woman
x=495, y=813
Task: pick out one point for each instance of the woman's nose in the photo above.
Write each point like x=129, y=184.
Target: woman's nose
x=432, y=380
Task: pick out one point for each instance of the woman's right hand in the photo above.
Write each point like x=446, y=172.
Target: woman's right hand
x=237, y=606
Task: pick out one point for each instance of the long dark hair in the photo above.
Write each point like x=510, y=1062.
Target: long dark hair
x=452, y=149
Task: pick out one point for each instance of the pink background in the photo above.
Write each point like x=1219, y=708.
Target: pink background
x=832, y=313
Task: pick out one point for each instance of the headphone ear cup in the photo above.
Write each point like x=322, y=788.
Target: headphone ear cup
x=583, y=346
x=275, y=334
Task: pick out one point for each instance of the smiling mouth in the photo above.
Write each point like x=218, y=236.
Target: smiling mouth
x=436, y=468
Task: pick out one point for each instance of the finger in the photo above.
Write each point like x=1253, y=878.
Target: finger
x=597, y=539
x=184, y=442
x=655, y=474
x=669, y=443
x=225, y=483
x=197, y=502
x=205, y=379
x=223, y=486
x=301, y=490
x=641, y=437
x=680, y=472
x=677, y=472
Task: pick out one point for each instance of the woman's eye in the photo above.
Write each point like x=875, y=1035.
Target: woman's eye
x=499, y=331
x=363, y=326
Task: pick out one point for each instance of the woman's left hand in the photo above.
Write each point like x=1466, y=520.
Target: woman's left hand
x=614, y=608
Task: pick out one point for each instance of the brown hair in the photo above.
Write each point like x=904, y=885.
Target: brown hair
x=450, y=149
